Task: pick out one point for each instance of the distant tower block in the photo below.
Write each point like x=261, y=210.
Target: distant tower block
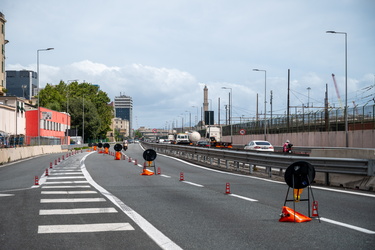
x=205, y=98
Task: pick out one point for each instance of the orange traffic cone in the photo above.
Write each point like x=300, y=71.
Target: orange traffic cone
x=118, y=155
x=289, y=215
x=146, y=172
x=315, y=209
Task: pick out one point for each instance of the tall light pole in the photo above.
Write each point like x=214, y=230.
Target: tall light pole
x=265, y=101
x=346, y=84
x=67, y=109
x=37, y=72
x=83, y=119
x=230, y=113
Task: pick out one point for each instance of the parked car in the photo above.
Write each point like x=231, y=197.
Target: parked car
x=203, y=144
x=259, y=146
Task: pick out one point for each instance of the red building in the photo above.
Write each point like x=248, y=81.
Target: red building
x=53, y=126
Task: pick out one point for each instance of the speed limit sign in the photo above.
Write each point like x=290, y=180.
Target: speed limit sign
x=242, y=132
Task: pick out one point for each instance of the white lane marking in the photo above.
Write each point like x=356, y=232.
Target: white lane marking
x=78, y=186
x=77, y=211
x=64, y=182
x=64, y=168
x=66, y=177
x=69, y=192
x=166, y=176
x=193, y=184
x=85, y=228
x=69, y=173
x=345, y=191
x=72, y=200
x=3, y=195
x=59, y=170
x=242, y=197
x=363, y=230
x=157, y=236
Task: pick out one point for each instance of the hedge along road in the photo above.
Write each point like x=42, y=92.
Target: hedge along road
x=197, y=214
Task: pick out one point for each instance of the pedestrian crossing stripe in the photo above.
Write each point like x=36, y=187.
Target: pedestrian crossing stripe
x=84, y=228
x=77, y=211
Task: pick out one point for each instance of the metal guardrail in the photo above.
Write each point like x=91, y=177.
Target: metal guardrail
x=218, y=157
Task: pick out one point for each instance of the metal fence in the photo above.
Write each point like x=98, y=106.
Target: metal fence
x=359, y=118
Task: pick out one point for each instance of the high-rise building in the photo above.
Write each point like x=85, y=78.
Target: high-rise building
x=2, y=43
x=124, y=110
x=22, y=83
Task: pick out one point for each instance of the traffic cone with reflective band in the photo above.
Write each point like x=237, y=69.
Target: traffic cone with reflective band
x=58, y=159
x=135, y=162
x=289, y=215
x=227, y=188
x=50, y=165
x=55, y=162
x=63, y=157
x=130, y=159
x=182, y=176
x=46, y=171
x=315, y=209
x=36, y=181
x=159, y=171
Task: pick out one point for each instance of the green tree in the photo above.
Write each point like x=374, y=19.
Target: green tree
x=70, y=97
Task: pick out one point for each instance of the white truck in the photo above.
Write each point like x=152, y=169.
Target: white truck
x=188, y=138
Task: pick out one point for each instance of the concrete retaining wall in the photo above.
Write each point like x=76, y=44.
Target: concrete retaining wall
x=14, y=154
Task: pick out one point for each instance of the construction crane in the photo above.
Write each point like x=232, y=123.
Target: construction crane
x=337, y=90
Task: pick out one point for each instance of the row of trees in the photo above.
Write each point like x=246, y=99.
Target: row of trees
x=78, y=99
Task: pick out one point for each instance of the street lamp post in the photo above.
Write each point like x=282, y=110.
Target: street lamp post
x=230, y=113
x=83, y=119
x=346, y=84
x=265, y=101
x=37, y=72
x=67, y=109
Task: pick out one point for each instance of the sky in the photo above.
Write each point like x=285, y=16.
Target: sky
x=162, y=53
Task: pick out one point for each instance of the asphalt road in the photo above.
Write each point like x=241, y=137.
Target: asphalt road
x=91, y=201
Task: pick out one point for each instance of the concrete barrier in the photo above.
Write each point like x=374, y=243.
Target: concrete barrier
x=13, y=154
